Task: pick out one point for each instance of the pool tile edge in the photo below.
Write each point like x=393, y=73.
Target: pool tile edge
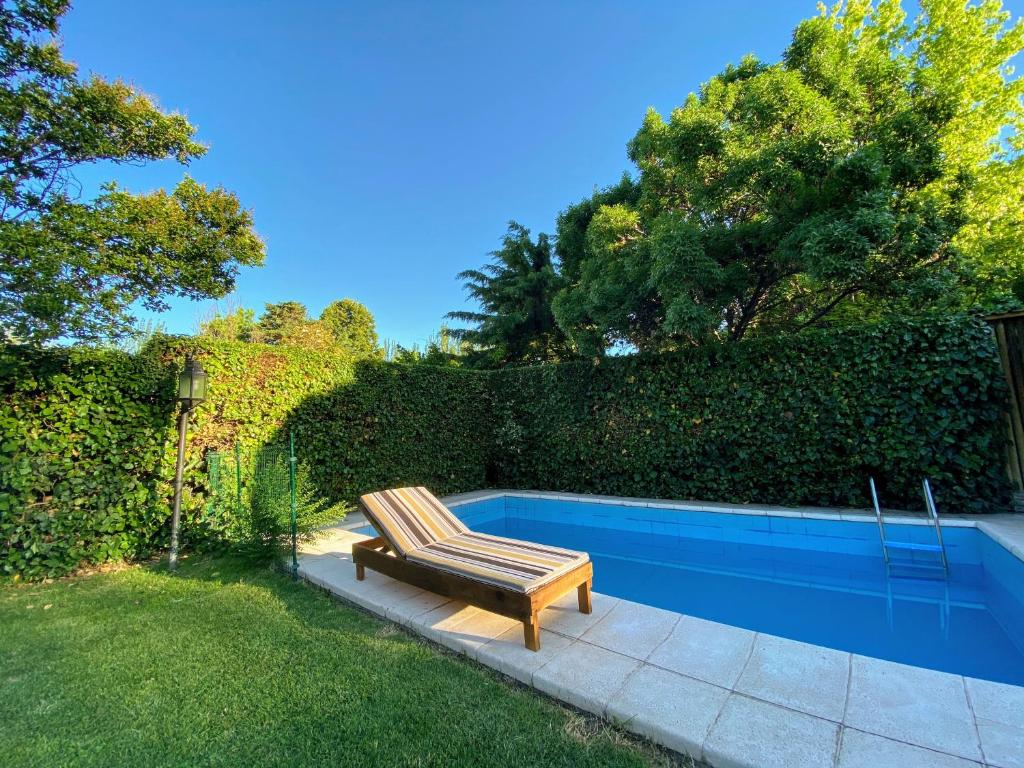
x=333, y=571
x=1006, y=529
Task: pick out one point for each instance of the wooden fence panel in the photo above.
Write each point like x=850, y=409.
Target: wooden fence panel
x=1009, y=333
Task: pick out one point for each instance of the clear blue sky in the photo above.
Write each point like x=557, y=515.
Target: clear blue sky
x=383, y=146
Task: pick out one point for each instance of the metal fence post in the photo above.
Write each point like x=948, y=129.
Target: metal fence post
x=291, y=488
x=238, y=479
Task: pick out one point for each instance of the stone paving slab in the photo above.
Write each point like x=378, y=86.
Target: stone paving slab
x=565, y=613
x=584, y=675
x=914, y=705
x=706, y=650
x=631, y=629
x=471, y=635
x=999, y=713
x=671, y=709
x=807, y=678
x=509, y=655
x=441, y=622
x=750, y=732
x=865, y=750
x=715, y=692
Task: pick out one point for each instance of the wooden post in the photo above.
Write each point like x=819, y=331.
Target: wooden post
x=583, y=595
x=531, y=632
x=1008, y=330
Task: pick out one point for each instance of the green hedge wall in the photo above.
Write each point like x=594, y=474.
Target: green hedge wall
x=82, y=445
x=87, y=437
x=252, y=389
x=396, y=425
x=88, y=440
x=795, y=420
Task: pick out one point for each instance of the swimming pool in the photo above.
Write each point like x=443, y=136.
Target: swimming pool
x=814, y=580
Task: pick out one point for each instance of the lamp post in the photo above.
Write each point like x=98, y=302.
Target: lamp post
x=191, y=392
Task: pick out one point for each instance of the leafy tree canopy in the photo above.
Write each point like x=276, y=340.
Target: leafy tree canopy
x=73, y=268
x=441, y=348
x=282, y=322
x=238, y=324
x=345, y=326
x=352, y=327
x=515, y=291
x=875, y=169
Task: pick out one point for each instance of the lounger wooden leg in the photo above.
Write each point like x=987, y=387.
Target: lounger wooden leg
x=360, y=571
x=583, y=593
x=531, y=632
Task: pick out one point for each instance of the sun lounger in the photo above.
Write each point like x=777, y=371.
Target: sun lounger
x=422, y=543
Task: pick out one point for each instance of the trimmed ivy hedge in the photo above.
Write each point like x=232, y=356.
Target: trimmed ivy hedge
x=82, y=444
x=87, y=437
x=88, y=440
x=800, y=420
x=394, y=425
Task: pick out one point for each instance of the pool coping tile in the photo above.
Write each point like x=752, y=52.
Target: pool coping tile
x=705, y=650
x=632, y=629
x=586, y=676
x=999, y=713
x=671, y=709
x=808, y=678
x=859, y=749
x=755, y=681
x=914, y=705
x=750, y=733
x=509, y=655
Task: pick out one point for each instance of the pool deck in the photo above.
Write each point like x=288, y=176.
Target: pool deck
x=729, y=696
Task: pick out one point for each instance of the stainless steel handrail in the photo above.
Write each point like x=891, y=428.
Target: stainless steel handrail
x=929, y=502
x=878, y=517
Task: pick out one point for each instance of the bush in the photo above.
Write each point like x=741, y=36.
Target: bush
x=88, y=442
x=87, y=437
x=263, y=530
x=83, y=472
x=396, y=425
x=787, y=420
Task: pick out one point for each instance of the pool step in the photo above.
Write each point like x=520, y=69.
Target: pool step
x=916, y=571
x=913, y=546
x=908, y=546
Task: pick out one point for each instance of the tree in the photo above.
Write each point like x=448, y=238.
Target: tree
x=516, y=323
x=573, y=308
x=345, y=327
x=237, y=324
x=353, y=328
x=70, y=267
x=282, y=322
x=876, y=169
x=441, y=348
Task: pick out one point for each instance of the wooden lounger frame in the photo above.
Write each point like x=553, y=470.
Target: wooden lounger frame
x=525, y=607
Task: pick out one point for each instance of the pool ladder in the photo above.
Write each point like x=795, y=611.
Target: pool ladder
x=908, y=546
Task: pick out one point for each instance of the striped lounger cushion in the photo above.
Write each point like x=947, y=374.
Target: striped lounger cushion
x=521, y=566
x=422, y=529
x=410, y=518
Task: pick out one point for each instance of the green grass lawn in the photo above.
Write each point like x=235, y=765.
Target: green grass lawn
x=227, y=664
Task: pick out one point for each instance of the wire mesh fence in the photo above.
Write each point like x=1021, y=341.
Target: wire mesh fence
x=255, y=492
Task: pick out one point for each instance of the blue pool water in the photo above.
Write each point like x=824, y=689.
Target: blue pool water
x=817, y=581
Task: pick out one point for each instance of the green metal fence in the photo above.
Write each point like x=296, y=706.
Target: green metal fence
x=255, y=490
